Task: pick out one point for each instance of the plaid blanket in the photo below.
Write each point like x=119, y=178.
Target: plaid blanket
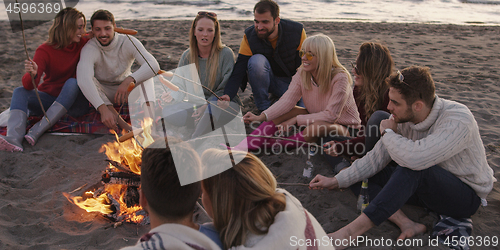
x=86, y=124
x=453, y=232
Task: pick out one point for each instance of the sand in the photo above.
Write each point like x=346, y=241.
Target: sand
x=35, y=215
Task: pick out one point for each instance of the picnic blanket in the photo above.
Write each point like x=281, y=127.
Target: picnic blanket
x=86, y=124
x=453, y=232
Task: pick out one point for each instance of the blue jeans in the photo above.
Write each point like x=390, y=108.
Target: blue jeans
x=371, y=133
x=433, y=188
x=263, y=81
x=372, y=130
x=71, y=97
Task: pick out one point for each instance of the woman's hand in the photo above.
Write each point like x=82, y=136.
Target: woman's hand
x=31, y=67
x=321, y=182
x=250, y=117
x=197, y=114
x=330, y=149
x=287, y=125
x=166, y=97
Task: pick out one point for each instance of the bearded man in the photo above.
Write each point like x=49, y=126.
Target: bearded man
x=440, y=157
x=104, y=71
x=268, y=55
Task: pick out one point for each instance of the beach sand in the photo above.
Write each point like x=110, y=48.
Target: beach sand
x=35, y=215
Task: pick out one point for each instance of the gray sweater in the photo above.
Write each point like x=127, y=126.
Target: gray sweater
x=226, y=63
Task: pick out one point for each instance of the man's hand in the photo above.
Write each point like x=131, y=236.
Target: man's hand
x=107, y=117
x=223, y=102
x=321, y=182
x=250, y=117
x=388, y=123
x=121, y=95
x=30, y=67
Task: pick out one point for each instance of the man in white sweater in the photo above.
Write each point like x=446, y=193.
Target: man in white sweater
x=104, y=71
x=440, y=156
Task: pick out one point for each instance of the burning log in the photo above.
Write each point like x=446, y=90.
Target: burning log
x=119, y=166
x=122, y=178
x=131, y=197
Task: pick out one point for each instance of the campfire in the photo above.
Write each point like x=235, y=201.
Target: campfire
x=116, y=195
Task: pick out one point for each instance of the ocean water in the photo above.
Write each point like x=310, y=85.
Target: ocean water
x=402, y=11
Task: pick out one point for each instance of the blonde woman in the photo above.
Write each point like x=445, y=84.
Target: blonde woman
x=326, y=88
x=214, y=62
x=250, y=212
x=56, y=61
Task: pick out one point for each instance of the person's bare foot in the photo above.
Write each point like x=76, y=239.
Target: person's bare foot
x=411, y=229
x=337, y=237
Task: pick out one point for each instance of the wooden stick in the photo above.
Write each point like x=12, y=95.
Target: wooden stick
x=293, y=184
x=205, y=87
x=79, y=188
x=32, y=79
x=130, y=134
x=312, y=144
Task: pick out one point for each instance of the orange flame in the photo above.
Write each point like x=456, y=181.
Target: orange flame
x=127, y=153
x=100, y=204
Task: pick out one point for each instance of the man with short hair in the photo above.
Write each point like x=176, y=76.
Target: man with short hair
x=104, y=71
x=170, y=206
x=440, y=156
x=268, y=56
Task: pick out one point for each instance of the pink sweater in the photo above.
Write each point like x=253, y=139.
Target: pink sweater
x=336, y=106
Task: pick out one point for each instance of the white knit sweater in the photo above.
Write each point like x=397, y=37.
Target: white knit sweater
x=294, y=228
x=111, y=64
x=448, y=137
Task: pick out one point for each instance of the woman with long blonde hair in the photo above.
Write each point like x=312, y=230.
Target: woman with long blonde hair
x=326, y=89
x=214, y=64
x=56, y=61
x=249, y=211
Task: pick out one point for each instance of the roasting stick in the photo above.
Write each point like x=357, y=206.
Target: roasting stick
x=293, y=184
x=205, y=87
x=78, y=188
x=32, y=78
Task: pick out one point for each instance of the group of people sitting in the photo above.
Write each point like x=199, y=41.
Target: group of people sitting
x=392, y=128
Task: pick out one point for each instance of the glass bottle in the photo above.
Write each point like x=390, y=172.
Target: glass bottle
x=308, y=170
x=364, y=198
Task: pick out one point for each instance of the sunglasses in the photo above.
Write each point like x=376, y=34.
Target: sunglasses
x=309, y=55
x=209, y=14
x=353, y=64
x=401, y=79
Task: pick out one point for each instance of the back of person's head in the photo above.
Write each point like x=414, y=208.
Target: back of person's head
x=213, y=59
x=323, y=48
x=64, y=27
x=102, y=15
x=244, y=197
x=160, y=183
x=414, y=83
x=375, y=65
x=264, y=6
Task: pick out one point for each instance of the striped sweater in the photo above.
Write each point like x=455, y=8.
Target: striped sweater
x=448, y=137
x=336, y=106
